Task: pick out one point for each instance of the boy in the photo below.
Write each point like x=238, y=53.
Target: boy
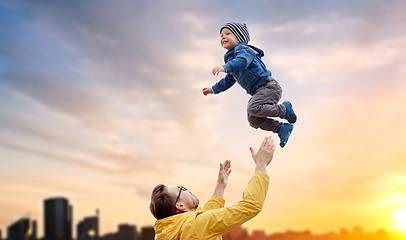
x=243, y=65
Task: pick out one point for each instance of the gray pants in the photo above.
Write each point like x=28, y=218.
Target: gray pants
x=264, y=104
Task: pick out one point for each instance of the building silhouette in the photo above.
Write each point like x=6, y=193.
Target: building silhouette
x=147, y=233
x=258, y=234
x=22, y=229
x=58, y=226
x=57, y=219
x=88, y=229
x=356, y=233
x=109, y=236
x=237, y=233
x=127, y=232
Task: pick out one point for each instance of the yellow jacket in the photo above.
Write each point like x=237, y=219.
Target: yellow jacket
x=214, y=219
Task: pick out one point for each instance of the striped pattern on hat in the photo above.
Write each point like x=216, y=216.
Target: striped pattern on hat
x=240, y=30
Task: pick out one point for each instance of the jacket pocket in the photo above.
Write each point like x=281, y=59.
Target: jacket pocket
x=247, y=80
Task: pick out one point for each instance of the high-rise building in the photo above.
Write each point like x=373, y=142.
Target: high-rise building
x=127, y=232
x=238, y=233
x=88, y=229
x=147, y=233
x=33, y=231
x=109, y=236
x=57, y=219
x=22, y=229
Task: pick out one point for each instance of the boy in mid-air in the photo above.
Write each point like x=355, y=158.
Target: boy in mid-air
x=243, y=64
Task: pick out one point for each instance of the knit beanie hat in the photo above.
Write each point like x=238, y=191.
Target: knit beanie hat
x=239, y=29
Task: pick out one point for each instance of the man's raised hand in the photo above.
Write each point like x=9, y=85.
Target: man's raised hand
x=224, y=173
x=264, y=156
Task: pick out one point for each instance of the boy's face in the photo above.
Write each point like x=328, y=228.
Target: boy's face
x=228, y=39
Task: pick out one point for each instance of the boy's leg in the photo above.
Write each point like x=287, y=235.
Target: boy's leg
x=264, y=123
x=282, y=129
x=264, y=103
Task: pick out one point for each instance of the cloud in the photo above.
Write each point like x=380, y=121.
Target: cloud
x=117, y=79
x=64, y=97
x=343, y=63
x=57, y=157
x=333, y=48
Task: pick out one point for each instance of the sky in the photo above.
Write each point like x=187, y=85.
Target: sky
x=100, y=101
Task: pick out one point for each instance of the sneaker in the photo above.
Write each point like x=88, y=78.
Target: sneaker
x=290, y=114
x=284, y=133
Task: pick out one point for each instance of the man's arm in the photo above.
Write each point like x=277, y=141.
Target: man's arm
x=219, y=221
x=222, y=180
x=217, y=201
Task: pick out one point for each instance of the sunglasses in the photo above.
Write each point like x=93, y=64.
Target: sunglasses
x=181, y=188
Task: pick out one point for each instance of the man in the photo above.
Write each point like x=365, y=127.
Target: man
x=175, y=207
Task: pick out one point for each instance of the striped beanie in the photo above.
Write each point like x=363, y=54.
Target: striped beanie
x=240, y=30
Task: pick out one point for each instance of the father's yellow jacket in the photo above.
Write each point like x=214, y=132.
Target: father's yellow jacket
x=214, y=219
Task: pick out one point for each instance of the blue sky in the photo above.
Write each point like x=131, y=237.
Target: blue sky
x=101, y=100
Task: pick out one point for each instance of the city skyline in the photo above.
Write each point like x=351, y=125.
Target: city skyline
x=357, y=233
x=129, y=232
x=102, y=101
x=57, y=218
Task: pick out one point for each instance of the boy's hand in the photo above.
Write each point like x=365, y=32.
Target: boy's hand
x=218, y=69
x=207, y=91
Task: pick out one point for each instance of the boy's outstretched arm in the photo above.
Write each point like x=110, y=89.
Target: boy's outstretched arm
x=218, y=69
x=215, y=71
x=207, y=90
x=222, y=85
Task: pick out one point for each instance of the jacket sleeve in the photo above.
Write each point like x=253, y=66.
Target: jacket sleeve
x=215, y=202
x=223, y=84
x=219, y=221
x=243, y=58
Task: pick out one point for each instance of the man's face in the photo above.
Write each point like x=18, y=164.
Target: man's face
x=187, y=201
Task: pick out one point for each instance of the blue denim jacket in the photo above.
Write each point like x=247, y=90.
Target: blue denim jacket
x=244, y=65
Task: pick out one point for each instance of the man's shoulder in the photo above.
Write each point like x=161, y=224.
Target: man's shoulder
x=179, y=226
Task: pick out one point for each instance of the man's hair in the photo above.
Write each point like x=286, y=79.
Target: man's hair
x=162, y=205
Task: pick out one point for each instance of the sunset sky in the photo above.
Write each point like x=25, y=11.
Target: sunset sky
x=101, y=100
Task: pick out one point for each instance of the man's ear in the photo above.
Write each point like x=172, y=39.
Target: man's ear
x=180, y=207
